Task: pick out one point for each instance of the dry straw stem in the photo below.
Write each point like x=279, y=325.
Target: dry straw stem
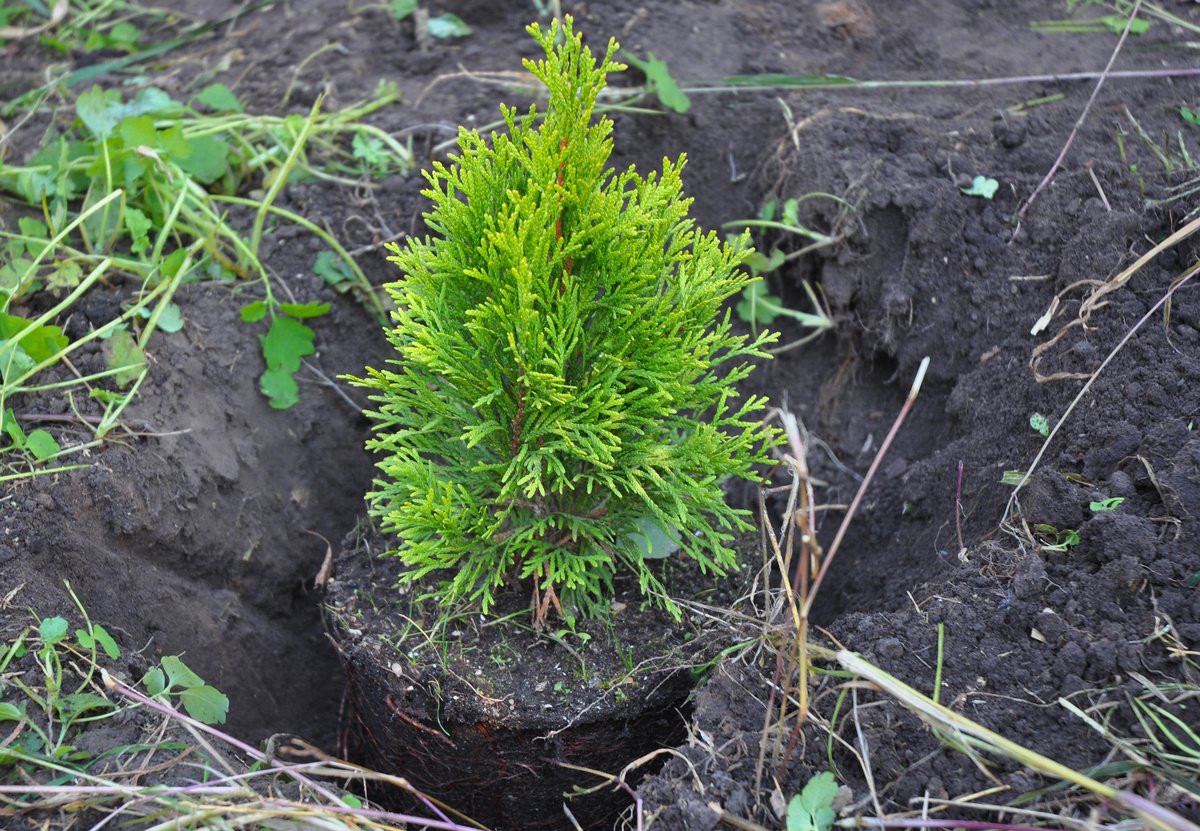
x=1083, y=115
x=976, y=735
x=1089, y=305
x=326, y=809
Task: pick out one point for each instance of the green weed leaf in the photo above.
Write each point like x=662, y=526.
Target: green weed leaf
x=812, y=808
x=758, y=263
x=332, y=269
x=171, y=318
x=982, y=187
x=1190, y=116
x=205, y=704
x=98, y=637
x=101, y=111
x=41, y=445
x=305, y=310
x=219, y=98
x=1103, y=505
x=41, y=343
x=254, y=312
x=207, y=159
x=286, y=343
x=73, y=705
x=125, y=356
x=52, y=630
x=155, y=681
x=10, y=712
x=179, y=674
x=759, y=308
x=1040, y=424
x=280, y=388
x=15, y=362
x=660, y=82
x=402, y=9
x=370, y=150
x=448, y=25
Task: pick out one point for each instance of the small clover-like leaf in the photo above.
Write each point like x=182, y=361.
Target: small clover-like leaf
x=812, y=808
x=139, y=226
x=402, y=9
x=332, y=271
x=254, y=312
x=52, y=630
x=653, y=540
x=98, y=637
x=982, y=186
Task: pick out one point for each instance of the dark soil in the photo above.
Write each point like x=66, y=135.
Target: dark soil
x=196, y=540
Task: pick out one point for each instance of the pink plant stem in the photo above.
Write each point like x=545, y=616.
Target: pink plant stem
x=862, y=488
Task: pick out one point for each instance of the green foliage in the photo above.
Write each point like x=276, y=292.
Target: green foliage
x=983, y=187
x=757, y=307
x=812, y=808
x=141, y=185
x=1040, y=424
x=448, y=25
x=1104, y=505
x=660, y=82
x=563, y=374
x=37, y=443
x=173, y=677
x=1056, y=540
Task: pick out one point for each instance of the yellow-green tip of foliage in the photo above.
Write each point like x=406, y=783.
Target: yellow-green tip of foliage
x=564, y=376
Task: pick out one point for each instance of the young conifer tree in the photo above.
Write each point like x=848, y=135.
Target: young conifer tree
x=563, y=389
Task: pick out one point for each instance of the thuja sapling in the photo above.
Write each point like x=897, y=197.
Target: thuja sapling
x=564, y=379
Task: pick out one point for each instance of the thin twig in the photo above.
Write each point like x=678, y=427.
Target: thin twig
x=1083, y=115
x=862, y=488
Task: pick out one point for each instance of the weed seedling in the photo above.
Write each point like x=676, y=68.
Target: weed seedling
x=757, y=307
x=812, y=808
x=1103, y=505
x=1062, y=541
x=983, y=187
x=660, y=82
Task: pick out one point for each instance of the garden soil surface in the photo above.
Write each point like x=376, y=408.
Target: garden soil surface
x=200, y=528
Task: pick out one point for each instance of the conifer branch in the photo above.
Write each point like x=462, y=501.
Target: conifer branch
x=564, y=382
